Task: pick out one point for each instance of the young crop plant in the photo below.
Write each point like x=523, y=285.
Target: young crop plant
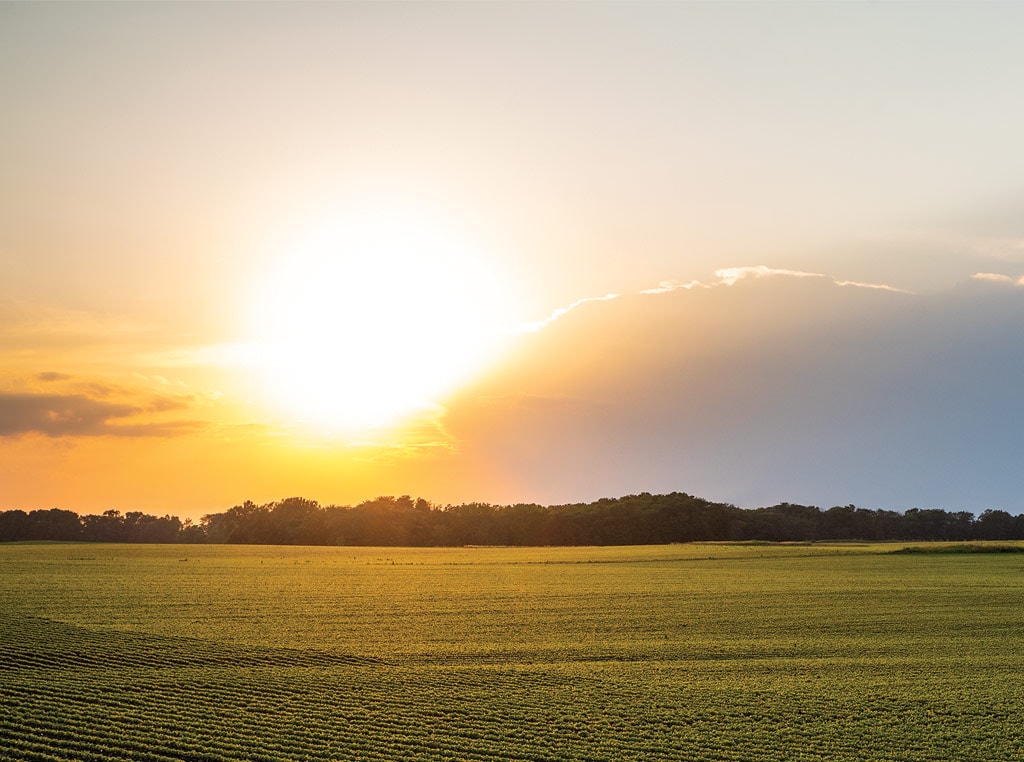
x=695, y=652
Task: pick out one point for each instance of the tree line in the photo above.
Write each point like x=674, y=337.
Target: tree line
x=404, y=521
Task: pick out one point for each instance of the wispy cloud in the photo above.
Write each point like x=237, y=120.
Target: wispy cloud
x=728, y=276
x=536, y=325
x=877, y=286
x=667, y=286
x=998, y=278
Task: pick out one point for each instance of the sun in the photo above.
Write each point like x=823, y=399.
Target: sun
x=369, y=319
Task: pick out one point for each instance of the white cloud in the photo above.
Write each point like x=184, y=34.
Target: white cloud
x=674, y=285
x=997, y=278
x=881, y=286
x=730, y=275
x=726, y=276
x=536, y=325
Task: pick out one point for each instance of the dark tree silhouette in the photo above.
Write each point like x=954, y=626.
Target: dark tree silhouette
x=407, y=521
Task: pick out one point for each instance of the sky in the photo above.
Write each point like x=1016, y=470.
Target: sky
x=511, y=252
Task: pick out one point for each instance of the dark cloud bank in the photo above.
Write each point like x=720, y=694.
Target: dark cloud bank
x=77, y=415
x=784, y=388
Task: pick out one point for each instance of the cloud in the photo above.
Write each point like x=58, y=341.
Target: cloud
x=76, y=415
x=879, y=286
x=69, y=384
x=805, y=389
x=730, y=275
x=163, y=404
x=536, y=325
x=997, y=278
x=158, y=429
x=726, y=276
x=154, y=379
x=667, y=286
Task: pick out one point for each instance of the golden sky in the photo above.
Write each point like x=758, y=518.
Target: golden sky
x=509, y=252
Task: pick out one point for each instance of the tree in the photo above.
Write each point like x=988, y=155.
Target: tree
x=54, y=524
x=14, y=525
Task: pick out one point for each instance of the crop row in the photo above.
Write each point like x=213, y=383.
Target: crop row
x=387, y=712
x=256, y=716
x=28, y=642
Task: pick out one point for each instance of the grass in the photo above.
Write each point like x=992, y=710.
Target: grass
x=686, y=652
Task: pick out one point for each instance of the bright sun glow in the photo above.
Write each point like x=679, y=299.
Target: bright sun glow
x=372, y=318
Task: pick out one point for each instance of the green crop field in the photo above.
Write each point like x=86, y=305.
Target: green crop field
x=687, y=652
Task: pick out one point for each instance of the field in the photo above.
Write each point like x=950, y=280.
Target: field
x=686, y=652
